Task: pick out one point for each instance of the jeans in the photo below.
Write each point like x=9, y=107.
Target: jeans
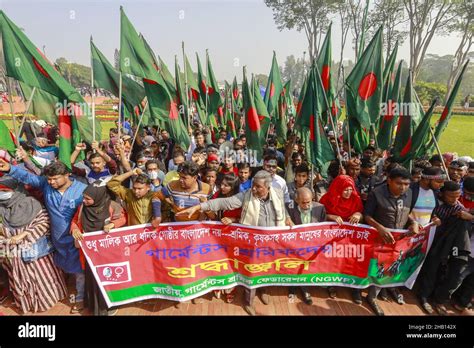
x=80, y=285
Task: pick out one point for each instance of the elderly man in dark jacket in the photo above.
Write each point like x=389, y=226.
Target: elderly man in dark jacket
x=305, y=211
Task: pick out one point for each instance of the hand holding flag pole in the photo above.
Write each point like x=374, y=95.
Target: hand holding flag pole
x=10, y=100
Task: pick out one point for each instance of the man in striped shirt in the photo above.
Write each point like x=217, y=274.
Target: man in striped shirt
x=185, y=192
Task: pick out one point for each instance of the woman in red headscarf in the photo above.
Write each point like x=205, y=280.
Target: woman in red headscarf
x=343, y=204
x=342, y=201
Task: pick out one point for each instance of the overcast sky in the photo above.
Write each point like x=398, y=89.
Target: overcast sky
x=237, y=33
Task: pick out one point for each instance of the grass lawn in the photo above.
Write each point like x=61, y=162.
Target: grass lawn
x=457, y=137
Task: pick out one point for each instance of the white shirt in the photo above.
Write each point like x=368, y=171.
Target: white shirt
x=279, y=182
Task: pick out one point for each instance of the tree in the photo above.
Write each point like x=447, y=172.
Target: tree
x=312, y=16
x=343, y=13
x=390, y=14
x=262, y=79
x=463, y=25
x=77, y=75
x=293, y=70
x=426, y=17
x=429, y=91
x=356, y=16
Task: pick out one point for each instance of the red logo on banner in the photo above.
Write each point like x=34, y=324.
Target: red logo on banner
x=114, y=273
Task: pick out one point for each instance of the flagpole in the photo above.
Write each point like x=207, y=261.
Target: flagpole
x=330, y=116
x=10, y=99
x=93, y=98
x=28, y=104
x=21, y=126
x=347, y=119
x=138, y=127
x=206, y=89
x=439, y=152
x=120, y=106
x=375, y=135
x=232, y=111
x=186, y=87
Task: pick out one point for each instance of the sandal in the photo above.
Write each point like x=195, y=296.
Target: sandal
x=229, y=298
x=441, y=309
x=332, y=292
x=77, y=308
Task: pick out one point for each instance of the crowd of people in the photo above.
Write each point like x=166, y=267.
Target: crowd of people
x=124, y=181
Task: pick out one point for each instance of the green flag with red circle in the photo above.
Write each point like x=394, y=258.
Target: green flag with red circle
x=447, y=111
x=324, y=62
x=274, y=88
x=365, y=83
x=256, y=116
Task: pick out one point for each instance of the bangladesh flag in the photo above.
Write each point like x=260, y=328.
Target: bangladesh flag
x=160, y=66
x=274, y=88
x=254, y=130
x=69, y=134
x=324, y=63
x=181, y=94
x=136, y=59
x=192, y=82
x=43, y=105
x=235, y=89
x=170, y=81
x=320, y=150
x=202, y=87
x=108, y=78
x=447, y=111
x=262, y=111
x=215, y=104
x=228, y=112
x=364, y=84
x=389, y=119
x=411, y=112
x=6, y=139
x=390, y=66
x=318, y=89
x=415, y=146
x=24, y=62
x=282, y=114
x=301, y=96
x=236, y=104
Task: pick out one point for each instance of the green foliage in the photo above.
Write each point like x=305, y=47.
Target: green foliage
x=428, y=91
x=76, y=74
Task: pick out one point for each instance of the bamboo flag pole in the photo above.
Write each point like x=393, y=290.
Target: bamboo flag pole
x=93, y=98
x=186, y=88
x=138, y=128
x=439, y=152
x=120, y=107
x=206, y=89
x=10, y=99
x=28, y=104
x=347, y=118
